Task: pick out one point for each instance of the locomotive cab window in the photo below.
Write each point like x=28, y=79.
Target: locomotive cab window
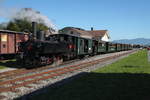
x=61, y=39
x=71, y=32
x=70, y=39
x=66, y=38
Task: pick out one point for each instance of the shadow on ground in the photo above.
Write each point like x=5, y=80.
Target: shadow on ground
x=16, y=64
x=131, y=66
x=10, y=64
x=97, y=86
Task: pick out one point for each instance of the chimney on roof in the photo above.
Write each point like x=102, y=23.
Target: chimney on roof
x=91, y=28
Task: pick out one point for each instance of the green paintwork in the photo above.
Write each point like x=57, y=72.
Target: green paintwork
x=80, y=46
x=111, y=47
x=101, y=48
x=81, y=43
x=90, y=43
x=119, y=48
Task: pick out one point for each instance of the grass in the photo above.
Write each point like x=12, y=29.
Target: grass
x=136, y=63
x=127, y=79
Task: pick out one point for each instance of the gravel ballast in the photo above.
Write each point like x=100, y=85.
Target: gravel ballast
x=40, y=86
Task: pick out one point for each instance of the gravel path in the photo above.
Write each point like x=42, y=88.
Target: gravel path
x=7, y=69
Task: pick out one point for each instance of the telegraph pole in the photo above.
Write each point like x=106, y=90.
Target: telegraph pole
x=148, y=54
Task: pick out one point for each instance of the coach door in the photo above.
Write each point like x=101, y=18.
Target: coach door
x=3, y=44
x=11, y=43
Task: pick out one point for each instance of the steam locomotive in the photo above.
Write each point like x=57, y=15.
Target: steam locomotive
x=40, y=50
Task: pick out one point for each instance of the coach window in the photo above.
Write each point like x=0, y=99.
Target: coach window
x=70, y=39
x=4, y=45
x=100, y=44
x=3, y=37
x=61, y=39
x=71, y=32
x=103, y=45
x=81, y=42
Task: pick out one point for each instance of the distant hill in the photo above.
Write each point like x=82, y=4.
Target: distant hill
x=141, y=41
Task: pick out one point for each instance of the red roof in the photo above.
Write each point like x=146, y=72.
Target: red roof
x=98, y=33
x=79, y=31
x=82, y=32
x=93, y=33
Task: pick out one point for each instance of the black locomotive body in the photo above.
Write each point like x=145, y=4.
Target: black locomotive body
x=35, y=52
x=39, y=50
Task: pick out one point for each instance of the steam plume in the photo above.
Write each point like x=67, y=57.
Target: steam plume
x=29, y=14
x=32, y=15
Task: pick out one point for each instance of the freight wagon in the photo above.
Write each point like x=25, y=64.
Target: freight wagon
x=9, y=43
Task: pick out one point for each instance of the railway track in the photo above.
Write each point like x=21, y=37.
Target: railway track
x=13, y=85
x=20, y=72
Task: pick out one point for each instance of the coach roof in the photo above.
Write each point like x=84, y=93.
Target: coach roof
x=12, y=32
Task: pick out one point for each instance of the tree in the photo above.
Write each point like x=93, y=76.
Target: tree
x=3, y=26
x=40, y=26
x=23, y=25
x=12, y=26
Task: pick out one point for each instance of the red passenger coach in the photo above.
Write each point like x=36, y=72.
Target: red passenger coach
x=9, y=42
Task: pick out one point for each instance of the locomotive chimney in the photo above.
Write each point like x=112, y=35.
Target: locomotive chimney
x=91, y=28
x=34, y=33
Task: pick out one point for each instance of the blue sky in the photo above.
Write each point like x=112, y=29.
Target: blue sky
x=125, y=19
